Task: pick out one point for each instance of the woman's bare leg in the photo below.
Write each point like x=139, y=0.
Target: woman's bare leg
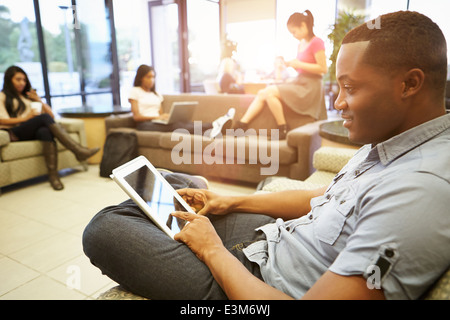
x=255, y=107
x=274, y=104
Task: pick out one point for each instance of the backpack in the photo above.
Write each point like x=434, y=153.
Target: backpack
x=119, y=148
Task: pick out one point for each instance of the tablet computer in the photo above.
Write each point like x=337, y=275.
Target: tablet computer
x=152, y=193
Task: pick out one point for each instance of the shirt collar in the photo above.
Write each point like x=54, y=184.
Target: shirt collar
x=398, y=145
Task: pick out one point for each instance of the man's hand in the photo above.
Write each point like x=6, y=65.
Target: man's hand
x=199, y=235
x=204, y=201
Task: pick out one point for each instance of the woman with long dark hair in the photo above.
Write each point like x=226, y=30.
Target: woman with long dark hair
x=304, y=95
x=23, y=123
x=145, y=101
x=146, y=105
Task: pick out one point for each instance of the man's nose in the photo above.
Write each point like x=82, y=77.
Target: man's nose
x=340, y=102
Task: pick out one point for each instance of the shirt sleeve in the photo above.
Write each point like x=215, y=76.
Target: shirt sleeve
x=317, y=45
x=161, y=98
x=134, y=93
x=3, y=113
x=400, y=241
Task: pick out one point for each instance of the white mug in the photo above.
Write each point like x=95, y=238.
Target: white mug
x=36, y=106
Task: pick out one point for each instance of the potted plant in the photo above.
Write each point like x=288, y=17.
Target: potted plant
x=345, y=21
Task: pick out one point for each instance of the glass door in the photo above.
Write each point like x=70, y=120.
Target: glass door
x=79, y=46
x=185, y=43
x=165, y=45
x=204, y=42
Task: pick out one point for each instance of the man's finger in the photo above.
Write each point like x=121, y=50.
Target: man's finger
x=183, y=192
x=184, y=215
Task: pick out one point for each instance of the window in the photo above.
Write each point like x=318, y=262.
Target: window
x=133, y=42
x=18, y=41
x=65, y=46
x=204, y=43
x=254, y=32
x=167, y=46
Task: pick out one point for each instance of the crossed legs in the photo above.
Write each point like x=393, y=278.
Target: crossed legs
x=271, y=96
x=126, y=246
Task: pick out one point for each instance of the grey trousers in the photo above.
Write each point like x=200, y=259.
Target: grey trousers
x=127, y=247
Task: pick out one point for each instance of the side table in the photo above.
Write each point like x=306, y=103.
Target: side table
x=334, y=134
x=94, y=123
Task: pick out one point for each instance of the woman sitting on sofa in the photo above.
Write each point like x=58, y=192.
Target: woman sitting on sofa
x=25, y=123
x=304, y=95
x=146, y=105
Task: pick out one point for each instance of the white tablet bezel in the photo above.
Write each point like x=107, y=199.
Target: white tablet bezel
x=124, y=170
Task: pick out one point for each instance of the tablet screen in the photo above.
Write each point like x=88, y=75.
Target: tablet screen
x=158, y=196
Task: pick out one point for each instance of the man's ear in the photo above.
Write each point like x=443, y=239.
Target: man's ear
x=413, y=81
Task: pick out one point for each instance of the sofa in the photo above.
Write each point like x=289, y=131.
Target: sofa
x=23, y=160
x=247, y=159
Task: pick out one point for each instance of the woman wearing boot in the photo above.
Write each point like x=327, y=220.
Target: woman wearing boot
x=304, y=95
x=24, y=123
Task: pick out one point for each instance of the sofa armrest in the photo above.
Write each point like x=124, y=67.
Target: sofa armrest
x=74, y=126
x=306, y=140
x=4, y=138
x=119, y=121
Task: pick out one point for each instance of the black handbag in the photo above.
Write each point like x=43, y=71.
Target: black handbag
x=119, y=148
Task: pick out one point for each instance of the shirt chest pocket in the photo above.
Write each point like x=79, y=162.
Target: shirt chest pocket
x=332, y=216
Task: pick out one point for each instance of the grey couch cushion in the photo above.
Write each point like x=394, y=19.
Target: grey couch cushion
x=25, y=149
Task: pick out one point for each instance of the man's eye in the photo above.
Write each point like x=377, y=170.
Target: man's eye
x=348, y=89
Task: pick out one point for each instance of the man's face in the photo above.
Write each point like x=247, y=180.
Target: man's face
x=369, y=98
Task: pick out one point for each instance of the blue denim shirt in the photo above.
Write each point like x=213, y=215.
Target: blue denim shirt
x=385, y=216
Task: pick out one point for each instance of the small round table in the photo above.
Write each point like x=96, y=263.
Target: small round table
x=335, y=134
x=94, y=124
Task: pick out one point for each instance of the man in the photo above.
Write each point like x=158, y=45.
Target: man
x=380, y=230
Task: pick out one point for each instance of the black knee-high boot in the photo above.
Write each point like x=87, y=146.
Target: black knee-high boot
x=51, y=160
x=80, y=152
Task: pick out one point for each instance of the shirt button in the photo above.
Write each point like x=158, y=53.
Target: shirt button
x=357, y=172
x=288, y=229
x=310, y=217
x=389, y=253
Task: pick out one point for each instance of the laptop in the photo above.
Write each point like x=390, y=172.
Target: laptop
x=179, y=112
x=152, y=193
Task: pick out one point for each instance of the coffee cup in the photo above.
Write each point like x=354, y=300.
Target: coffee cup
x=36, y=106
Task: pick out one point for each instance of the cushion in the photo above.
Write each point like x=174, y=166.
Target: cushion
x=332, y=159
x=26, y=149
x=119, y=293
x=441, y=289
x=281, y=184
x=4, y=138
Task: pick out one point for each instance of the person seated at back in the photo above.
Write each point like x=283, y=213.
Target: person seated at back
x=24, y=123
x=227, y=77
x=380, y=230
x=304, y=95
x=146, y=105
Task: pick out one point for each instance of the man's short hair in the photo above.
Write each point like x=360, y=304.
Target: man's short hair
x=405, y=40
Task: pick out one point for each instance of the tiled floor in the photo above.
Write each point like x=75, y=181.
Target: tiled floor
x=41, y=255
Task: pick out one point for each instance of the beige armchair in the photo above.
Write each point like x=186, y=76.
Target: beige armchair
x=23, y=160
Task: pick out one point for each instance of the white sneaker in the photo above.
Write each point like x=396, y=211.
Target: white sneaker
x=223, y=123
